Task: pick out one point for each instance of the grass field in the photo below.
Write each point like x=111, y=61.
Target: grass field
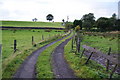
x=31, y=24
x=11, y=60
x=102, y=41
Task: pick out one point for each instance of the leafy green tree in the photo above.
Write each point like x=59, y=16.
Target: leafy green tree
x=88, y=21
x=50, y=17
x=117, y=25
x=35, y=19
x=113, y=21
x=114, y=16
x=77, y=23
x=63, y=20
x=108, y=24
x=103, y=23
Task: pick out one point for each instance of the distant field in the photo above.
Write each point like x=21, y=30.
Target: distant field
x=31, y=24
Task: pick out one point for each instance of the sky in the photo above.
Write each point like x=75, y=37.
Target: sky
x=26, y=10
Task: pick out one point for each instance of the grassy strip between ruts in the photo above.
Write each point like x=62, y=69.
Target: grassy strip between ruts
x=43, y=66
x=91, y=70
x=15, y=63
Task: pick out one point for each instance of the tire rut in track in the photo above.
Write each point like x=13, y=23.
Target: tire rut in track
x=60, y=67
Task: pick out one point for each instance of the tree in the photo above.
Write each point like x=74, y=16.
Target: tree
x=103, y=23
x=113, y=21
x=114, y=16
x=117, y=25
x=108, y=24
x=77, y=23
x=49, y=17
x=63, y=20
x=35, y=19
x=88, y=21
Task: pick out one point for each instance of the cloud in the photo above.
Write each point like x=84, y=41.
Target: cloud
x=105, y=9
x=4, y=13
x=75, y=9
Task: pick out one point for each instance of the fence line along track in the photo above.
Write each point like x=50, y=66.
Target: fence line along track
x=107, y=57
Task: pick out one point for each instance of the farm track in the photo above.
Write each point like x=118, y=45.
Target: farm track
x=60, y=66
x=27, y=68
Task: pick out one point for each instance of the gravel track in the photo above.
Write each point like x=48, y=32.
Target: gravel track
x=60, y=66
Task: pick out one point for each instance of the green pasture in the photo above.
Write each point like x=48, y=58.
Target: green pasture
x=11, y=61
x=31, y=24
x=24, y=39
x=102, y=42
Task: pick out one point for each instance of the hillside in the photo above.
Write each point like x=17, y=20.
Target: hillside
x=31, y=24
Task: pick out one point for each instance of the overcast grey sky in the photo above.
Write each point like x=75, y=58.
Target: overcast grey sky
x=26, y=10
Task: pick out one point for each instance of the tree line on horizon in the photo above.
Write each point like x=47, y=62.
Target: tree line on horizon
x=88, y=22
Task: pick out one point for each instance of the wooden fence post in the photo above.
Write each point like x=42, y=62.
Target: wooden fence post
x=49, y=36
x=82, y=53
x=42, y=37
x=78, y=45
x=107, y=64
x=15, y=45
x=89, y=58
x=74, y=42
x=113, y=71
x=72, y=45
x=32, y=40
x=0, y=49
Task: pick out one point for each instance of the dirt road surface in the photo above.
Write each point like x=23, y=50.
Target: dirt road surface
x=60, y=67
